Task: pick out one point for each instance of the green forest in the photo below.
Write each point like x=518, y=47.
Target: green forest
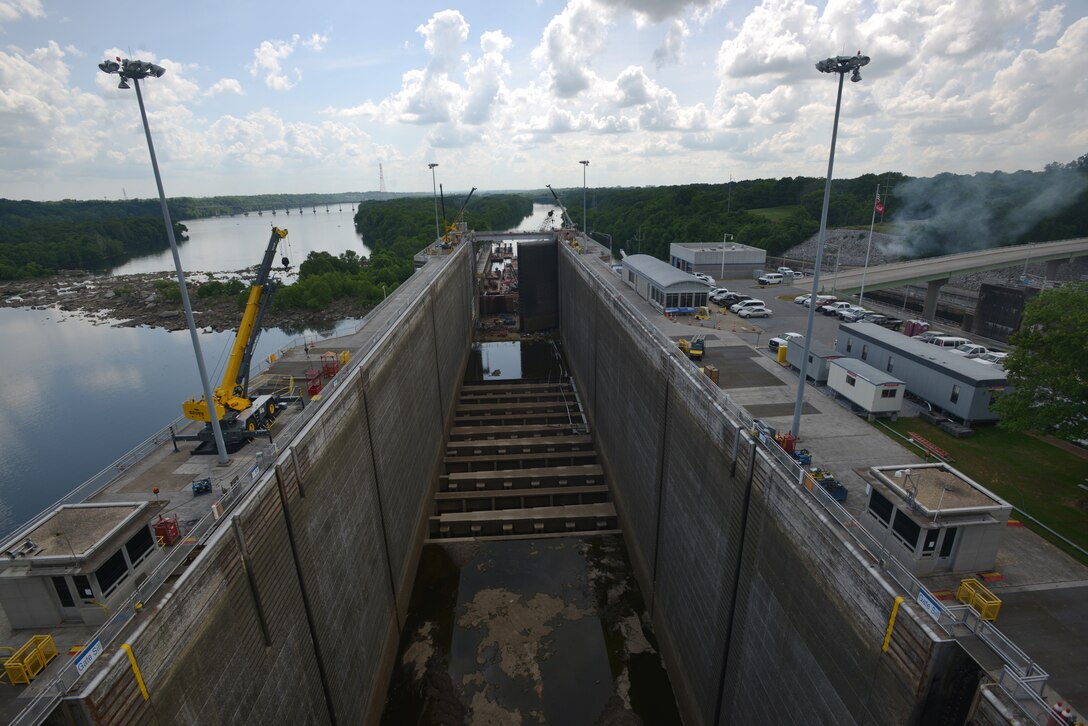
x=935, y=215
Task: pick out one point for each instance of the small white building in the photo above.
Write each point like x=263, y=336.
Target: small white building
x=934, y=519
x=666, y=287
x=870, y=389
x=76, y=563
x=713, y=257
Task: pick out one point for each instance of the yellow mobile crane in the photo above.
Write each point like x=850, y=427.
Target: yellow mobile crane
x=240, y=416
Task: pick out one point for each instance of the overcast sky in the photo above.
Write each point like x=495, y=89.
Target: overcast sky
x=295, y=97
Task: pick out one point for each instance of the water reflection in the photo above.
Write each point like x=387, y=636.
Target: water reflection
x=537, y=359
x=78, y=395
x=235, y=243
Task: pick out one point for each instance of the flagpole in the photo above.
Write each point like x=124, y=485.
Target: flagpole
x=861, y=295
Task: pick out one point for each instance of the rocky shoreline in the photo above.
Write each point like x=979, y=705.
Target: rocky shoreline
x=134, y=300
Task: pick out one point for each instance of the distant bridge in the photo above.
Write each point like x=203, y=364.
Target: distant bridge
x=935, y=271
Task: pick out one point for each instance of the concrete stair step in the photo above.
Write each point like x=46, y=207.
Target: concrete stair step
x=524, y=445
x=572, y=519
x=481, y=501
x=520, y=460
x=579, y=475
x=491, y=432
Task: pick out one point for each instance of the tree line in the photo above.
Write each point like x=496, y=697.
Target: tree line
x=937, y=214
x=947, y=212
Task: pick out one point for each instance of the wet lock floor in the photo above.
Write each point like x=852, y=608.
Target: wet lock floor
x=518, y=628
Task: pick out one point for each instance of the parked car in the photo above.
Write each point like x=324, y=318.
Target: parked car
x=735, y=297
x=718, y=298
x=874, y=318
x=771, y=278
x=704, y=277
x=749, y=303
x=755, y=311
x=970, y=350
x=821, y=300
x=717, y=291
x=785, y=272
x=802, y=299
x=951, y=342
x=928, y=336
x=992, y=358
x=833, y=307
x=851, y=313
x=782, y=340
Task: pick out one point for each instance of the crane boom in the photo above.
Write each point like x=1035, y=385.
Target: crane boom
x=233, y=393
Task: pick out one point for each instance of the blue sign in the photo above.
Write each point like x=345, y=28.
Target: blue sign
x=88, y=656
x=929, y=604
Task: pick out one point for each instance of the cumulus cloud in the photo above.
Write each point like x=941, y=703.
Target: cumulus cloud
x=269, y=56
x=453, y=90
x=654, y=11
x=1049, y=23
x=668, y=53
x=40, y=112
x=225, y=85
x=14, y=10
x=778, y=37
x=570, y=41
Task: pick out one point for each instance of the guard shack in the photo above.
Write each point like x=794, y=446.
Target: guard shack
x=75, y=563
x=934, y=519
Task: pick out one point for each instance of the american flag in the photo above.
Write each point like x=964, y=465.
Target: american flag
x=879, y=207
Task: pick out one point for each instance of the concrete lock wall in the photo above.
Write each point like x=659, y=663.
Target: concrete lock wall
x=331, y=538
x=764, y=610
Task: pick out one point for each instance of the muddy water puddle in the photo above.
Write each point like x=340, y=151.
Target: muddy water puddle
x=548, y=631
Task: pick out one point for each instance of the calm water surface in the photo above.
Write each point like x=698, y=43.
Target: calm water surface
x=235, y=243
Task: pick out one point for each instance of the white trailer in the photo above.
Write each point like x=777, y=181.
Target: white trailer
x=872, y=390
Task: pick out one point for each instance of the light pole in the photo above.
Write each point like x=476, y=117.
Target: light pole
x=605, y=234
x=434, y=188
x=725, y=240
x=842, y=65
x=134, y=70
x=585, y=164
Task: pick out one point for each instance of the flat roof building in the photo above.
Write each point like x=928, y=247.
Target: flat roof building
x=74, y=563
x=933, y=518
x=957, y=385
x=712, y=257
x=663, y=285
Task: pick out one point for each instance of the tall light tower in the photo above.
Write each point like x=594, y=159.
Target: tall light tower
x=135, y=71
x=842, y=65
x=434, y=188
x=585, y=165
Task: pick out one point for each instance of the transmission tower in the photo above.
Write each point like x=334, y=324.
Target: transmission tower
x=381, y=179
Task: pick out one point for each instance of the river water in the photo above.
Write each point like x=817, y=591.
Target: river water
x=78, y=395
